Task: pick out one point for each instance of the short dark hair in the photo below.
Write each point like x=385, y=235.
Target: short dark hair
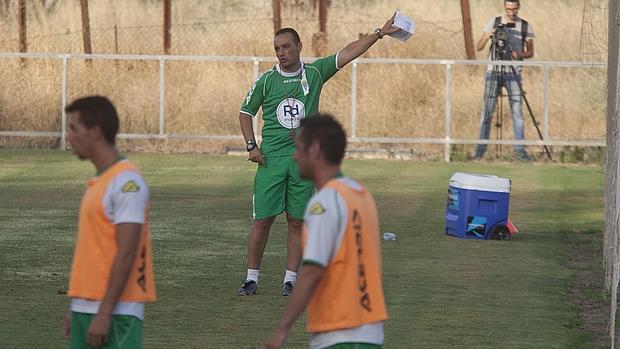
x=324, y=129
x=97, y=111
x=517, y=1
x=290, y=31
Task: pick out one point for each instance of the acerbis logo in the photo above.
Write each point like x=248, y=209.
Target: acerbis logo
x=290, y=112
x=317, y=209
x=361, y=270
x=130, y=187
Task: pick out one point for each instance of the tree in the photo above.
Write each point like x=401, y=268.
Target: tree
x=612, y=193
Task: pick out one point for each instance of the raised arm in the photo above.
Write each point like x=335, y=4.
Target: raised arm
x=358, y=47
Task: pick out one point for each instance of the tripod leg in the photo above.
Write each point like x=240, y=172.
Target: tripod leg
x=499, y=121
x=529, y=109
x=489, y=104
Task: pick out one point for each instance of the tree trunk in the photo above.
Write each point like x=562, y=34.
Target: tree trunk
x=612, y=184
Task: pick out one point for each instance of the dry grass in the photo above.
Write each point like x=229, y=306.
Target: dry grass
x=203, y=98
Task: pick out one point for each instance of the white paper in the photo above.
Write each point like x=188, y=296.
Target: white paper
x=406, y=27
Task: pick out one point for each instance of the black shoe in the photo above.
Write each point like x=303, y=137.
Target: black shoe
x=287, y=288
x=248, y=288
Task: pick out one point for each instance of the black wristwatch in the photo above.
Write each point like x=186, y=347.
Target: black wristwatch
x=251, y=145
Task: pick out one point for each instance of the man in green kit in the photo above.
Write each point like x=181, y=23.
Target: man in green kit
x=287, y=93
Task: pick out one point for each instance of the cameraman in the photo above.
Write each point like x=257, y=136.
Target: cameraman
x=512, y=39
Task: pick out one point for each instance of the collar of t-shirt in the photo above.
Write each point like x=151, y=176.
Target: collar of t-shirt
x=504, y=20
x=304, y=79
x=118, y=159
x=338, y=174
x=287, y=74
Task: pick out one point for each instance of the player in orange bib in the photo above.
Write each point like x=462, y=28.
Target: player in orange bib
x=112, y=271
x=341, y=279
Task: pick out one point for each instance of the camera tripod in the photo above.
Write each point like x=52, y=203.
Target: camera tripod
x=499, y=77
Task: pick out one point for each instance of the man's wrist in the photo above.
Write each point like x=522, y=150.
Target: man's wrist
x=105, y=312
x=377, y=32
x=251, y=145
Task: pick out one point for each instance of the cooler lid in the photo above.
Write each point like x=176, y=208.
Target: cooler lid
x=477, y=181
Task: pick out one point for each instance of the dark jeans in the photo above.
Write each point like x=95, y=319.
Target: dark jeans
x=493, y=82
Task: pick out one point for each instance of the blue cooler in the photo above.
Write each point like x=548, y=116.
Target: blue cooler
x=477, y=204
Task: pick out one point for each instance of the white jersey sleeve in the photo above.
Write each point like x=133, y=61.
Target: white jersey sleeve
x=126, y=198
x=325, y=222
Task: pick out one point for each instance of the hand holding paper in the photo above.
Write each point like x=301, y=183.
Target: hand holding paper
x=405, y=27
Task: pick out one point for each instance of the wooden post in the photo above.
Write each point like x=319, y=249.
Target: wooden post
x=277, y=19
x=21, y=20
x=116, y=39
x=611, y=247
x=469, y=40
x=167, y=23
x=116, y=61
x=323, y=16
x=85, y=27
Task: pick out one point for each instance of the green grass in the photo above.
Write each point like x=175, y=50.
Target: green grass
x=441, y=292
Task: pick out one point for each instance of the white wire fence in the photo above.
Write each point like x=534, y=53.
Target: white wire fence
x=428, y=105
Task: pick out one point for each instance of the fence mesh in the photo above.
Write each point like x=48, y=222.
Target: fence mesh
x=217, y=27
x=245, y=27
x=594, y=40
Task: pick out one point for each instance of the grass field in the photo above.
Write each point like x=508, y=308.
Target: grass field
x=441, y=292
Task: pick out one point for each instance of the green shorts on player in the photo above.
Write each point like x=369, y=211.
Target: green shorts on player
x=278, y=188
x=125, y=332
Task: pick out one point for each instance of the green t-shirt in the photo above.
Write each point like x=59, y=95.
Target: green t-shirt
x=284, y=104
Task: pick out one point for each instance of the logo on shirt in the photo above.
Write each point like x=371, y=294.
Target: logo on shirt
x=130, y=187
x=290, y=112
x=287, y=81
x=248, y=97
x=317, y=209
x=362, y=281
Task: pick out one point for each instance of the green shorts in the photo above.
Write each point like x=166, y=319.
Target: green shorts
x=125, y=331
x=278, y=188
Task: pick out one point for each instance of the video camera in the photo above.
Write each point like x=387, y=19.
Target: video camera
x=501, y=48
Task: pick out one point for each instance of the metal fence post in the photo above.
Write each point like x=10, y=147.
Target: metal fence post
x=448, y=113
x=546, y=104
x=354, y=100
x=162, y=95
x=63, y=104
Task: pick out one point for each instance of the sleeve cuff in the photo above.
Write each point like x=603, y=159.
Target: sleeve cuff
x=336, y=58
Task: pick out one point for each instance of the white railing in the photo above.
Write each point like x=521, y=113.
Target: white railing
x=446, y=138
